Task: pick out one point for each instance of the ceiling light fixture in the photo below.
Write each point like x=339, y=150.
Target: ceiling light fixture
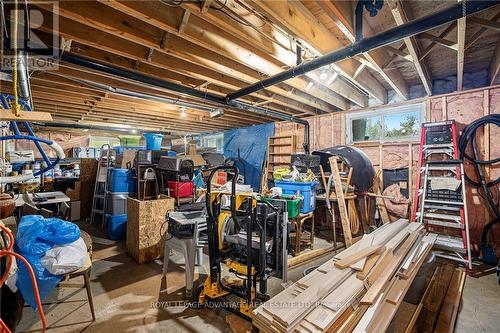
x=323, y=75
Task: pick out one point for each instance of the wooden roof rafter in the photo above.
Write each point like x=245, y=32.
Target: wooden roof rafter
x=400, y=16
x=342, y=15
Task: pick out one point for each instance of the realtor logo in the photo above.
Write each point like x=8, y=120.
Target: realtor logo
x=37, y=33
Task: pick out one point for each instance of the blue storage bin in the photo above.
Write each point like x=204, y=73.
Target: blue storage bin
x=120, y=180
x=306, y=190
x=153, y=140
x=117, y=226
x=172, y=153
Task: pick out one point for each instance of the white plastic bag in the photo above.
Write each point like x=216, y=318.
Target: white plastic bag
x=65, y=259
x=12, y=278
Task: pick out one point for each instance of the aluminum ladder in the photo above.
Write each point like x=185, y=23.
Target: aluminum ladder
x=101, y=187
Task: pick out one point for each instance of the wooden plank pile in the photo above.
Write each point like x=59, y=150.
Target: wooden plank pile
x=359, y=290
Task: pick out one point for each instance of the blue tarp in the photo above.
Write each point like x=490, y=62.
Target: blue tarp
x=252, y=143
x=35, y=236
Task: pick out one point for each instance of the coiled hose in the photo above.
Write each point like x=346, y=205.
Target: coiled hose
x=467, y=138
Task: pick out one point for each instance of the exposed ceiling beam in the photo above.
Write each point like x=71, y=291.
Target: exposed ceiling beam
x=411, y=43
x=399, y=53
x=341, y=13
x=205, y=5
x=209, y=36
x=495, y=64
x=490, y=24
x=176, y=55
x=461, y=25
x=442, y=35
x=184, y=21
x=256, y=31
x=441, y=41
x=480, y=32
x=293, y=16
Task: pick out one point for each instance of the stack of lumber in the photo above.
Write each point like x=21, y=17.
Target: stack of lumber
x=358, y=290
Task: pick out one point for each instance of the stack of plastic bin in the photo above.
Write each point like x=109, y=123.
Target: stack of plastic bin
x=120, y=185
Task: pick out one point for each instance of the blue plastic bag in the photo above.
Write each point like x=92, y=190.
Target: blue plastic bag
x=35, y=236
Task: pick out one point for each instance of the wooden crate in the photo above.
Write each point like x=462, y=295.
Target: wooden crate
x=145, y=240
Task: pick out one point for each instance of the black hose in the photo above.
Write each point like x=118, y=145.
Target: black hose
x=467, y=138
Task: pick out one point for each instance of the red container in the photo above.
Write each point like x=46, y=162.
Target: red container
x=180, y=189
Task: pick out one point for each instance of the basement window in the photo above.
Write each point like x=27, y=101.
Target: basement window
x=213, y=141
x=394, y=124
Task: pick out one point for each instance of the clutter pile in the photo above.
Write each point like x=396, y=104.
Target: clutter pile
x=359, y=290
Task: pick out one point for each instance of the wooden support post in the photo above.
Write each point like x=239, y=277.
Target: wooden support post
x=341, y=201
x=410, y=175
x=444, y=108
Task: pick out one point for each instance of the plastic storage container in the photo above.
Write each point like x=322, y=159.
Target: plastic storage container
x=306, y=190
x=292, y=206
x=153, y=141
x=117, y=226
x=130, y=140
x=117, y=203
x=120, y=149
x=120, y=180
x=180, y=189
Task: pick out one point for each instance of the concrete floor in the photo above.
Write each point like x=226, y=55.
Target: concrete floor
x=133, y=298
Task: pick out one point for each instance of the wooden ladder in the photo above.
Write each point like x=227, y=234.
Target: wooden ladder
x=279, y=153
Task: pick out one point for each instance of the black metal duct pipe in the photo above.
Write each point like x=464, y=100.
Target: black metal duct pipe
x=387, y=37
x=131, y=75
x=94, y=127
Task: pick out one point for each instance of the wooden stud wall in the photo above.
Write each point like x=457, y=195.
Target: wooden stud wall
x=463, y=107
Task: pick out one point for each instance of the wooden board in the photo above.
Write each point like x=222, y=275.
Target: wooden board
x=369, y=264
x=7, y=115
x=356, y=257
x=344, y=217
x=433, y=300
x=145, y=241
x=449, y=309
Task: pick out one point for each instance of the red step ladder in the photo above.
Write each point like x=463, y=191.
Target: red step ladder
x=440, y=201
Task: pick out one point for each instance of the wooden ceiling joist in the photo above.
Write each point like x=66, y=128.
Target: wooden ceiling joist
x=412, y=46
x=273, y=41
x=119, y=51
x=180, y=56
x=209, y=36
x=293, y=16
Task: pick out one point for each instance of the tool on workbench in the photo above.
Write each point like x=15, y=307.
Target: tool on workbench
x=440, y=197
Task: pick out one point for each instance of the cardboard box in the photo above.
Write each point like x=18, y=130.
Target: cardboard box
x=20, y=156
x=74, y=207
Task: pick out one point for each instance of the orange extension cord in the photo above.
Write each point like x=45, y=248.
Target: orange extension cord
x=9, y=252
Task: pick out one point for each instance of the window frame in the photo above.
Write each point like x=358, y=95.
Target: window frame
x=218, y=136
x=418, y=107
